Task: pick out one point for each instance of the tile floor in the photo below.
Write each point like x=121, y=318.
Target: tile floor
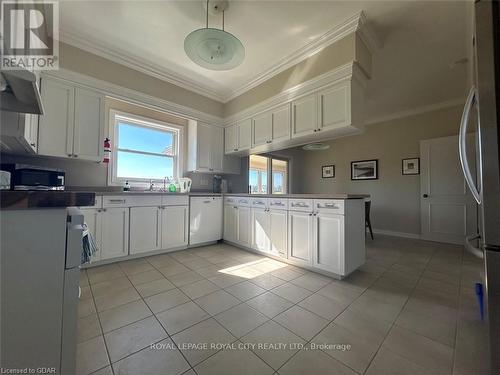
x=410, y=309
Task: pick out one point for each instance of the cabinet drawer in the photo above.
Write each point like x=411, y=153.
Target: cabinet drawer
x=243, y=201
x=142, y=201
x=175, y=200
x=230, y=201
x=97, y=204
x=304, y=205
x=334, y=206
x=278, y=203
x=115, y=201
x=259, y=202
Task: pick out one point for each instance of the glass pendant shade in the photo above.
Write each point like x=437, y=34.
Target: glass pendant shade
x=214, y=49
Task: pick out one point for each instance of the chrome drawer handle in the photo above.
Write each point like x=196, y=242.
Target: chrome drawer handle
x=328, y=205
x=299, y=205
x=117, y=201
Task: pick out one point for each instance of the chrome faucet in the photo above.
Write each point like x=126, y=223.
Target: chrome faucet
x=151, y=185
x=165, y=183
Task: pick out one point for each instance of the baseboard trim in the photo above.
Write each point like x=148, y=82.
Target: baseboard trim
x=397, y=234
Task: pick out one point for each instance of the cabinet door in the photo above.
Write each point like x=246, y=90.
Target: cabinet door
x=31, y=130
x=174, y=227
x=278, y=230
x=204, y=145
x=329, y=242
x=231, y=139
x=144, y=229
x=217, y=149
x=114, y=229
x=92, y=217
x=244, y=134
x=89, y=125
x=300, y=237
x=56, y=125
x=261, y=130
x=304, y=116
x=334, y=107
x=281, y=123
x=244, y=225
x=260, y=225
x=230, y=223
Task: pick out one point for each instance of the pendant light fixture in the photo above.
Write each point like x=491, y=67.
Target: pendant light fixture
x=214, y=49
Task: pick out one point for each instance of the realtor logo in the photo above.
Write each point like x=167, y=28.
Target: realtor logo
x=30, y=35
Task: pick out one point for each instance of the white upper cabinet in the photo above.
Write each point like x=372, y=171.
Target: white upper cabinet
x=231, y=138
x=73, y=122
x=281, y=123
x=244, y=135
x=217, y=152
x=334, y=107
x=55, y=133
x=304, y=115
x=262, y=129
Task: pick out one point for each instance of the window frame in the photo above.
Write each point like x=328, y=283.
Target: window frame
x=114, y=117
x=269, y=171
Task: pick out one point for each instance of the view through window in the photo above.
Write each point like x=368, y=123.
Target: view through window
x=265, y=172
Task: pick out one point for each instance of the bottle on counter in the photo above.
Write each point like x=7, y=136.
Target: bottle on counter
x=127, y=186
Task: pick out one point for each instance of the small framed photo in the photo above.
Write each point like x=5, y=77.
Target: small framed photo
x=364, y=170
x=411, y=166
x=328, y=171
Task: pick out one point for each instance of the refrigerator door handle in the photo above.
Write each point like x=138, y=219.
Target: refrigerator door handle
x=471, y=248
x=464, y=122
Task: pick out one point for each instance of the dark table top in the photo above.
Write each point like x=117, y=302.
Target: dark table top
x=15, y=200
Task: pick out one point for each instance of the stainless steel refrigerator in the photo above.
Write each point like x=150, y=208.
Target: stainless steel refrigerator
x=483, y=110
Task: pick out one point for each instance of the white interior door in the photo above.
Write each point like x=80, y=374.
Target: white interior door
x=448, y=210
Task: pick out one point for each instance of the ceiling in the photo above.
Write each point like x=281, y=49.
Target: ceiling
x=413, y=66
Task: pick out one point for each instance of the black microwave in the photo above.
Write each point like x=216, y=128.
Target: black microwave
x=29, y=177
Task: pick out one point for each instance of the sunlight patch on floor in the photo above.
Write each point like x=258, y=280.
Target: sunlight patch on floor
x=249, y=270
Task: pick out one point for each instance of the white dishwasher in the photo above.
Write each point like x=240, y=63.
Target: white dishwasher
x=205, y=224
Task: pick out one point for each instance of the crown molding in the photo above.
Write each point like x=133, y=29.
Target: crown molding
x=133, y=96
x=356, y=23
x=138, y=64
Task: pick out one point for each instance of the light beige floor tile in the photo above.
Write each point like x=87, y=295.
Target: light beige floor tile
x=291, y=292
x=230, y=362
x=301, y=322
x=241, y=319
x=286, y=274
x=207, y=332
x=123, y=315
x=269, y=304
x=376, y=309
x=110, y=287
x=347, y=347
x=108, y=274
x=391, y=294
x=196, y=263
x=154, y=287
x=245, y=290
x=145, y=277
x=121, y=297
x=134, y=337
x=340, y=292
x=105, y=371
x=210, y=271
x=162, y=358
x=224, y=280
x=91, y=356
x=267, y=281
x=85, y=293
x=160, y=260
x=135, y=266
x=181, y=317
x=273, y=343
x=88, y=328
x=217, y=302
x=86, y=307
x=322, y=306
x=308, y=362
x=362, y=324
x=434, y=327
x=166, y=300
x=389, y=363
x=84, y=280
x=435, y=357
x=173, y=269
x=199, y=289
x=312, y=281
x=185, y=278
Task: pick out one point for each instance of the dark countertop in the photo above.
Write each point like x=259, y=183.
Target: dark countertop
x=302, y=196
x=17, y=200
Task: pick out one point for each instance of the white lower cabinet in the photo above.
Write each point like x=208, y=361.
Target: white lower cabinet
x=278, y=229
x=114, y=232
x=261, y=225
x=145, y=234
x=174, y=226
x=244, y=227
x=300, y=235
x=230, y=222
x=92, y=217
x=329, y=242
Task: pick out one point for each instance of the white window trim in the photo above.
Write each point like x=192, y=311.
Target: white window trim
x=113, y=180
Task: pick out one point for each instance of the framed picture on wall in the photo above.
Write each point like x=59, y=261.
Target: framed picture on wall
x=364, y=170
x=328, y=171
x=411, y=166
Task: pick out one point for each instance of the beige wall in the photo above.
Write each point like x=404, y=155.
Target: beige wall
x=83, y=62
x=395, y=198
x=339, y=53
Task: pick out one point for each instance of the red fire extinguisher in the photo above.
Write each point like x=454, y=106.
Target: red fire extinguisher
x=107, y=150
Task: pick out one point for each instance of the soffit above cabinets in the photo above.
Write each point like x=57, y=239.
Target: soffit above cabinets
x=417, y=43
